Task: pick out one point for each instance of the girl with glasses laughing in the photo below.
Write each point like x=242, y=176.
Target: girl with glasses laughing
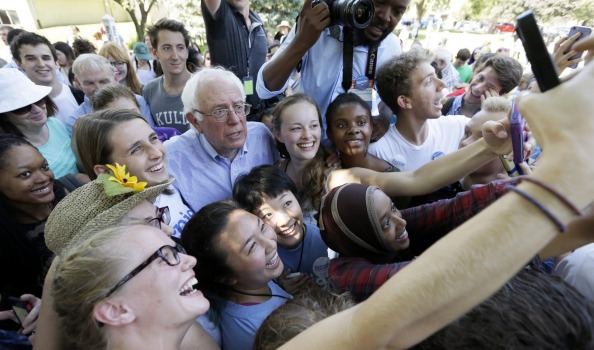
x=142, y=291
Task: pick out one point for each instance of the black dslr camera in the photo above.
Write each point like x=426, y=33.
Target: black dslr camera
x=350, y=13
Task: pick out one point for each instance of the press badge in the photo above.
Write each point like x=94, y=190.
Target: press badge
x=248, y=85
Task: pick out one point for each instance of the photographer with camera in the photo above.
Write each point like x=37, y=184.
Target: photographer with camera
x=337, y=46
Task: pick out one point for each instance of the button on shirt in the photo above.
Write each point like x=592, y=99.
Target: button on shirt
x=203, y=176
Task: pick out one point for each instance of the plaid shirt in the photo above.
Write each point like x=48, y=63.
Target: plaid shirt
x=425, y=224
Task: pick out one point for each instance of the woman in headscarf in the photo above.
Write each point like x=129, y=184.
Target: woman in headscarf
x=375, y=239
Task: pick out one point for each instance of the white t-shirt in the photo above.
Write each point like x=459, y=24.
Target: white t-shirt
x=577, y=269
x=444, y=136
x=66, y=104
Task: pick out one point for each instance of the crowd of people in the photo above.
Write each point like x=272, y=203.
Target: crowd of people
x=316, y=188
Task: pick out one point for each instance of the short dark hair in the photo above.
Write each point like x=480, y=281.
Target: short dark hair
x=394, y=77
x=7, y=142
x=33, y=39
x=13, y=33
x=265, y=180
x=66, y=50
x=200, y=237
x=531, y=311
x=343, y=99
x=508, y=69
x=170, y=25
x=81, y=46
x=463, y=54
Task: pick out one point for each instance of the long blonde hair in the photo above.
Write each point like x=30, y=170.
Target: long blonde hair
x=84, y=275
x=118, y=53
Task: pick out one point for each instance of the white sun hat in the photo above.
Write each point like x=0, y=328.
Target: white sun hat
x=16, y=90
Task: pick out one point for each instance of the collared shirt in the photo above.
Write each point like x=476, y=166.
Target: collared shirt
x=233, y=45
x=203, y=176
x=450, y=76
x=321, y=67
x=426, y=224
x=456, y=105
x=86, y=108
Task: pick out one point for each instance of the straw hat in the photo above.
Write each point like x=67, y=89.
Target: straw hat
x=16, y=90
x=283, y=24
x=88, y=209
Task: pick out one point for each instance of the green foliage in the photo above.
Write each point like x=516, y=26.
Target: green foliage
x=423, y=6
x=545, y=10
x=135, y=8
x=273, y=12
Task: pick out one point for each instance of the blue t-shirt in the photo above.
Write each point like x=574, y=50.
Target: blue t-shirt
x=57, y=150
x=310, y=257
x=239, y=323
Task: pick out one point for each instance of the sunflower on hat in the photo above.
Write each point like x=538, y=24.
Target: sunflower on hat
x=120, y=181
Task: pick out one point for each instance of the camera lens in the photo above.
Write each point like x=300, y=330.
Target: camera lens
x=362, y=14
x=352, y=13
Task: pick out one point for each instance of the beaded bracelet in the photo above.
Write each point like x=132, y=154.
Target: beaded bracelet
x=562, y=227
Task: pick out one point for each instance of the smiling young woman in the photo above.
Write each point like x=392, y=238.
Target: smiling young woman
x=26, y=110
x=28, y=194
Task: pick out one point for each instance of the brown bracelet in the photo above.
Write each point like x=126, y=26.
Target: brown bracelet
x=553, y=191
x=562, y=227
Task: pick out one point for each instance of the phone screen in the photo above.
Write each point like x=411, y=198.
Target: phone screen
x=21, y=313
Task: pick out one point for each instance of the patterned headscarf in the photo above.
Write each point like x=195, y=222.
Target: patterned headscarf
x=349, y=224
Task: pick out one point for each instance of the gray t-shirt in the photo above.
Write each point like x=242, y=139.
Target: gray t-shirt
x=167, y=110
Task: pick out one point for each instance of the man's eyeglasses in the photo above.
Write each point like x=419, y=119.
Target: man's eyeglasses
x=27, y=108
x=118, y=64
x=163, y=217
x=221, y=115
x=168, y=253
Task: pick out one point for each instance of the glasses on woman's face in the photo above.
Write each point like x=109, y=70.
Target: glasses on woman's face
x=163, y=217
x=168, y=253
x=27, y=108
x=118, y=64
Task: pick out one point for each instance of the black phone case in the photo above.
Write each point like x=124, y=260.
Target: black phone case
x=543, y=67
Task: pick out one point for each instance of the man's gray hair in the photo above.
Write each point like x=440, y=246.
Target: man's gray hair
x=91, y=62
x=201, y=81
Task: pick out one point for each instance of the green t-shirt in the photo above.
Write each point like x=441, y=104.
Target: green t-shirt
x=465, y=73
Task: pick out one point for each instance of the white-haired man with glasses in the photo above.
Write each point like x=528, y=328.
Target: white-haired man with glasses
x=221, y=145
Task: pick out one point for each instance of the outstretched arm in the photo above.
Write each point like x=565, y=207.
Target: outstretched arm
x=435, y=174
x=458, y=271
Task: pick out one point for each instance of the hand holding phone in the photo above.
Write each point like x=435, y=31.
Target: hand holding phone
x=20, y=308
x=543, y=67
x=517, y=133
x=584, y=33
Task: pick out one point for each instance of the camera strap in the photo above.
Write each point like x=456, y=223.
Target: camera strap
x=347, y=59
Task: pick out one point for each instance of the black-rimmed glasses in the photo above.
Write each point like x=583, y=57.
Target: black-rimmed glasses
x=27, y=108
x=118, y=64
x=163, y=217
x=168, y=253
x=221, y=115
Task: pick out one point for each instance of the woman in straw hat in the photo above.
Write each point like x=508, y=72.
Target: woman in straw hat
x=24, y=111
x=28, y=194
x=141, y=293
x=123, y=136
x=90, y=209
